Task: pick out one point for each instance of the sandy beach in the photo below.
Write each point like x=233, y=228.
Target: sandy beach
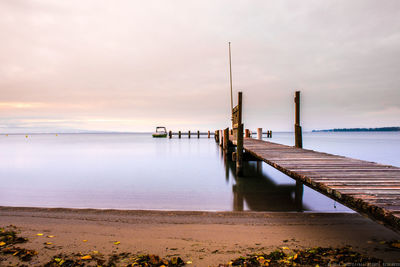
x=203, y=238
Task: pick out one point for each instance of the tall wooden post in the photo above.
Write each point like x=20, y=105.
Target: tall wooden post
x=189, y=134
x=179, y=134
x=297, y=128
x=239, y=141
x=208, y=134
x=221, y=137
x=226, y=139
x=170, y=134
x=198, y=134
x=298, y=143
x=259, y=133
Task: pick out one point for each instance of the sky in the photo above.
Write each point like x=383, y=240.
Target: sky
x=98, y=65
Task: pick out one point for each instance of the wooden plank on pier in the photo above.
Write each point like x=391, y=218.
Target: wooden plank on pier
x=367, y=187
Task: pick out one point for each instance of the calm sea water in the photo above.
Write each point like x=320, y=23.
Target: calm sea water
x=136, y=171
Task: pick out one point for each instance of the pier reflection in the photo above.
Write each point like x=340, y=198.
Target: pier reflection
x=259, y=191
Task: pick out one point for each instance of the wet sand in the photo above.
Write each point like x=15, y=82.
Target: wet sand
x=205, y=238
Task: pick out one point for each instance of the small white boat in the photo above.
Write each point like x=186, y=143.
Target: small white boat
x=160, y=132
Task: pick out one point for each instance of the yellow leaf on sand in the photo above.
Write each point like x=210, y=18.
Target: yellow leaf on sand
x=117, y=243
x=2, y=244
x=189, y=262
x=59, y=261
x=396, y=245
x=87, y=257
x=285, y=248
x=51, y=236
x=295, y=256
x=39, y=234
x=95, y=252
x=84, y=240
x=49, y=243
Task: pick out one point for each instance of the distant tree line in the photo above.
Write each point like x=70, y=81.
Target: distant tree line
x=381, y=129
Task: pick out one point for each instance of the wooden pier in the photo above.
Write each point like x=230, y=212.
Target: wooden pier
x=370, y=188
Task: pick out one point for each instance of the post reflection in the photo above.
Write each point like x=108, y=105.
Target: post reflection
x=260, y=192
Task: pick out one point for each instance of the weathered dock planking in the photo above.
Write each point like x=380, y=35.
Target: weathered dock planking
x=370, y=188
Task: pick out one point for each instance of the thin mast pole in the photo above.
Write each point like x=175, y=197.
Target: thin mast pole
x=230, y=77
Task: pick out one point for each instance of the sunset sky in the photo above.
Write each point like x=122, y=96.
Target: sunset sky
x=70, y=65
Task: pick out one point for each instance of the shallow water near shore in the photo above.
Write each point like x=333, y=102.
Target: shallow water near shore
x=135, y=171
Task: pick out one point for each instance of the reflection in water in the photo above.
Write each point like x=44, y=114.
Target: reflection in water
x=259, y=191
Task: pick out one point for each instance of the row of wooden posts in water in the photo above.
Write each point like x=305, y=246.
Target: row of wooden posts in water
x=248, y=133
x=180, y=133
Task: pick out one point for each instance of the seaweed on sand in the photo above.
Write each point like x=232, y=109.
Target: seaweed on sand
x=317, y=256
x=121, y=259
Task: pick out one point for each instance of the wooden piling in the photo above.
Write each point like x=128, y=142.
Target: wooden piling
x=170, y=134
x=221, y=137
x=188, y=134
x=259, y=167
x=216, y=136
x=179, y=134
x=198, y=134
x=239, y=150
x=226, y=139
x=239, y=141
x=298, y=143
x=208, y=134
x=247, y=133
x=259, y=133
x=270, y=134
x=299, y=196
x=297, y=128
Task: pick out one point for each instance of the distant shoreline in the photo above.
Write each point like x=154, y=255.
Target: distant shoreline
x=380, y=129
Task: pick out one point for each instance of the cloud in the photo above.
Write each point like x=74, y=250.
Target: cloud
x=163, y=60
